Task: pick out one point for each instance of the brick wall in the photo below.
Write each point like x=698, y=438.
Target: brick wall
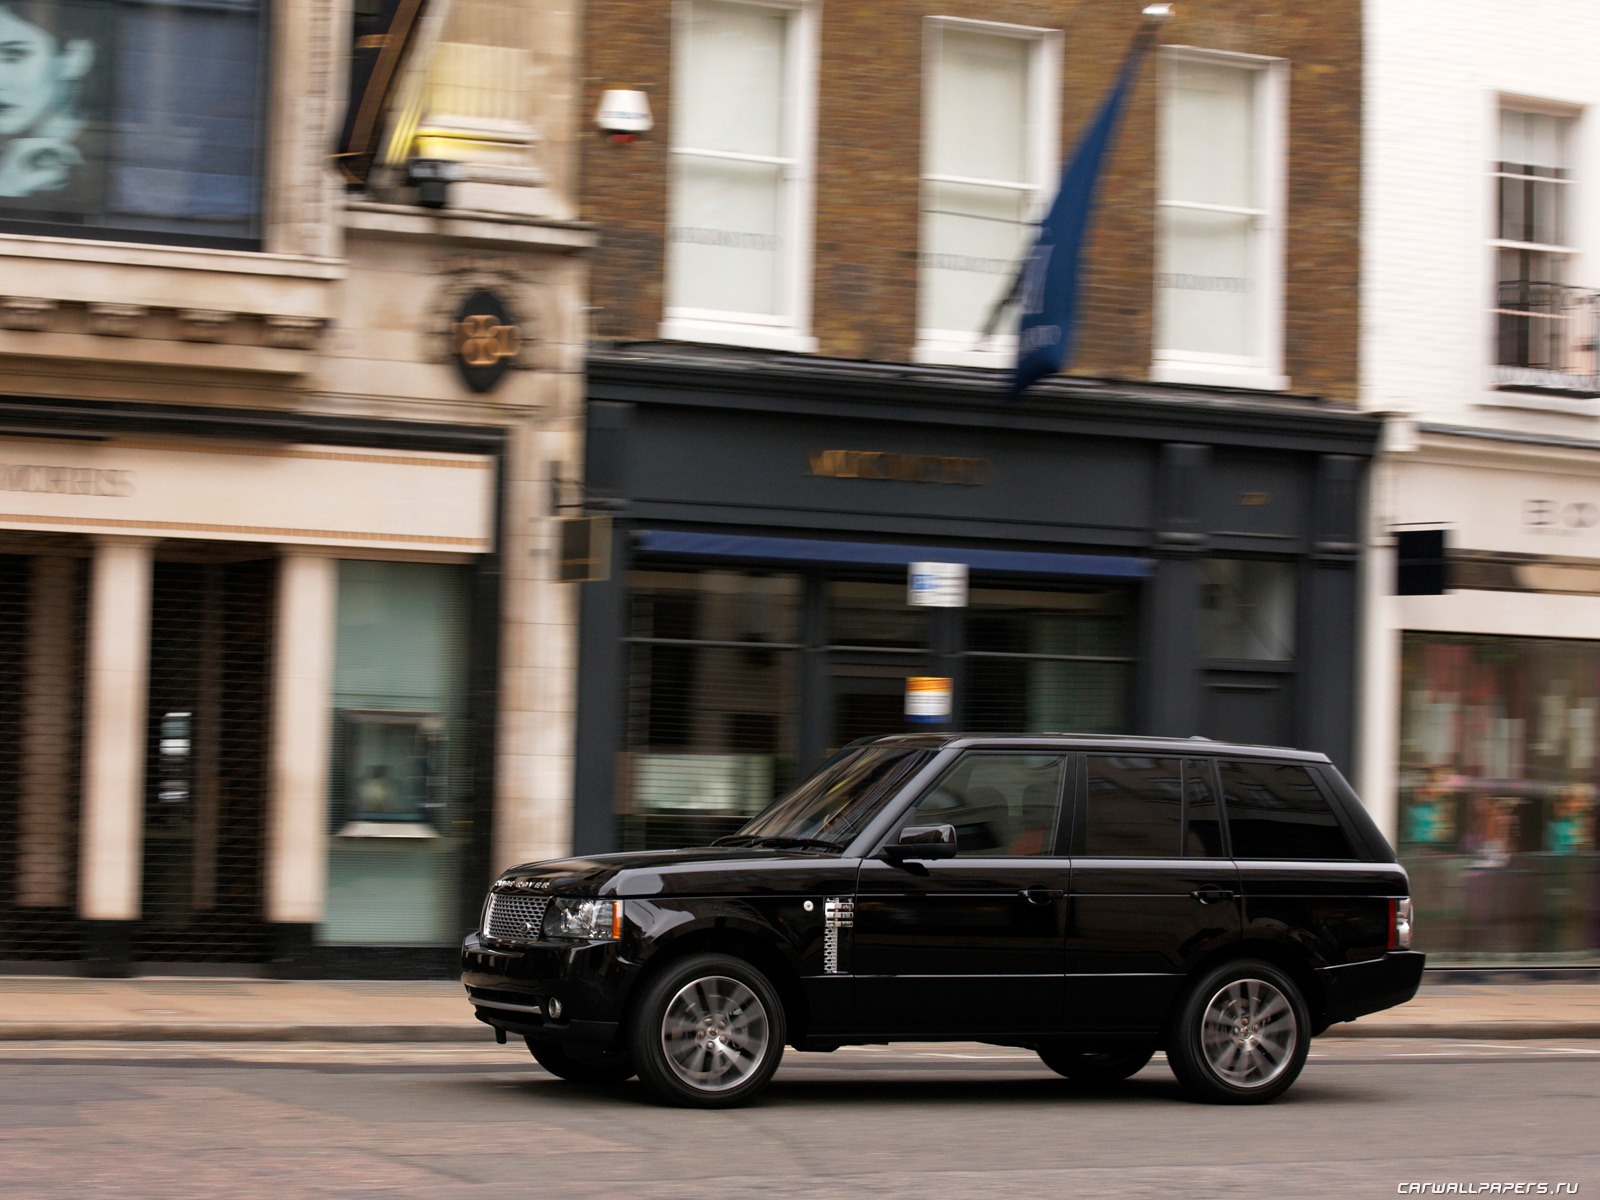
x=868, y=162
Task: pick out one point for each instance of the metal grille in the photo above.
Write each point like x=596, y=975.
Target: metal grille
x=206, y=762
x=1047, y=661
x=513, y=918
x=713, y=703
x=41, y=719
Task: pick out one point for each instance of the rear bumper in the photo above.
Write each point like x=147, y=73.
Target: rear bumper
x=510, y=988
x=1355, y=989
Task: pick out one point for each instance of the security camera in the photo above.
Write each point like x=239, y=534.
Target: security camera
x=623, y=115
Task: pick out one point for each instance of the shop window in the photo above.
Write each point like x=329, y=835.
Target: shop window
x=1498, y=782
x=713, y=702
x=1219, y=215
x=738, y=242
x=875, y=616
x=1040, y=661
x=988, y=155
x=401, y=816
x=133, y=119
x=1248, y=609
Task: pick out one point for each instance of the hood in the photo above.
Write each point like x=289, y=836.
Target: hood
x=649, y=872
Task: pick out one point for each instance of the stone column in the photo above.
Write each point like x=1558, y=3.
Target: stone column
x=117, y=677
x=302, y=696
x=45, y=851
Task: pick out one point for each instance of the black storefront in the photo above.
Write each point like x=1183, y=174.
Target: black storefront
x=1139, y=559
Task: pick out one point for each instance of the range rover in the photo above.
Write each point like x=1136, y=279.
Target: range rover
x=1093, y=899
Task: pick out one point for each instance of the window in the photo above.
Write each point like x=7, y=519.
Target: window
x=476, y=98
x=1219, y=239
x=738, y=248
x=988, y=148
x=1002, y=805
x=1543, y=325
x=1248, y=609
x=1139, y=807
x=1278, y=811
x=139, y=119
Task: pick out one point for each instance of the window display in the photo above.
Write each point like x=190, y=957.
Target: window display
x=1498, y=778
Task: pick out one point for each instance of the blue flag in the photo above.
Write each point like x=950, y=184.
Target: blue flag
x=1048, y=288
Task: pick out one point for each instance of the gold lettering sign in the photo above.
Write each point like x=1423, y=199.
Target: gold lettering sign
x=906, y=468
x=482, y=341
x=1255, y=499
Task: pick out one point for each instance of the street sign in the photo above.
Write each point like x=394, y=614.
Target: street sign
x=937, y=585
x=928, y=698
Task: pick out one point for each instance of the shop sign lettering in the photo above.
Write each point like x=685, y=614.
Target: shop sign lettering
x=906, y=468
x=65, y=481
x=1555, y=516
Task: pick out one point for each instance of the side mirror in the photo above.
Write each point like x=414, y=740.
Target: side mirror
x=922, y=841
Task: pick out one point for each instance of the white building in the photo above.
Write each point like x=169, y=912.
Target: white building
x=1481, y=317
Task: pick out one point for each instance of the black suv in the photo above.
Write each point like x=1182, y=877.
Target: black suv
x=1091, y=898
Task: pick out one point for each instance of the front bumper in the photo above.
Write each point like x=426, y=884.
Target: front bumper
x=1355, y=989
x=510, y=988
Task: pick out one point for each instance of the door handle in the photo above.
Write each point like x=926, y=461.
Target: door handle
x=1037, y=893
x=1211, y=895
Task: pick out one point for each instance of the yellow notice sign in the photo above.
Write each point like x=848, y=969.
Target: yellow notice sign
x=928, y=698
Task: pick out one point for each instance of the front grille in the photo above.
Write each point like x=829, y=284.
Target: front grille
x=514, y=918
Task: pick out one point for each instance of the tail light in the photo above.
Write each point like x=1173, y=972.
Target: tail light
x=1400, y=924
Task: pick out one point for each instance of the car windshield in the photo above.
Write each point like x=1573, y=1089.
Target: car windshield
x=833, y=805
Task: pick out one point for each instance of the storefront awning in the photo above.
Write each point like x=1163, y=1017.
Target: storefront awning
x=819, y=550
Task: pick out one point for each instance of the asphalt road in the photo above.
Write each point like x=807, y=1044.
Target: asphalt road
x=286, y=1121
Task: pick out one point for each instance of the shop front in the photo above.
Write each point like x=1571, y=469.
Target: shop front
x=818, y=552
x=246, y=688
x=1498, y=697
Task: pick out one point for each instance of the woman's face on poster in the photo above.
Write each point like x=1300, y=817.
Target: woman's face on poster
x=37, y=71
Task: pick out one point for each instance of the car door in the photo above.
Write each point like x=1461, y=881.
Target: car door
x=970, y=945
x=1152, y=890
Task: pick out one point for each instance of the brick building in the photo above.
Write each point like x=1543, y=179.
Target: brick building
x=789, y=401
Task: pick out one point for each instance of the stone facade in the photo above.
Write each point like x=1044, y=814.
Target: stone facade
x=342, y=318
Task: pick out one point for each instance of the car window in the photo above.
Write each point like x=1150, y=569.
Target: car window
x=1001, y=804
x=1276, y=810
x=1133, y=807
x=1202, y=821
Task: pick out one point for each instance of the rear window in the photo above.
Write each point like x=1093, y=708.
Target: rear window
x=1276, y=810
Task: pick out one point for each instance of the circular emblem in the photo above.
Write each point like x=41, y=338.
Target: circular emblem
x=485, y=339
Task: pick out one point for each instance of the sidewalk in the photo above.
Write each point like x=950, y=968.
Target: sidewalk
x=36, y=1008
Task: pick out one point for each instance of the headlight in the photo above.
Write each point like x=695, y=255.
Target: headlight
x=591, y=919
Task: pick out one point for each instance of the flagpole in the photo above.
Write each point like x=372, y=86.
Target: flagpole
x=1152, y=17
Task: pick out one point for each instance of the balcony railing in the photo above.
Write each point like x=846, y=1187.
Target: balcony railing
x=1547, y=336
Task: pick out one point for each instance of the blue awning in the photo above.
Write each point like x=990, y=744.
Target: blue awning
x=883, y=554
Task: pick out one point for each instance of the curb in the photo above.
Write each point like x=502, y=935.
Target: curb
x=1470, y=1030
x=136, y=1031
x=133, y=1031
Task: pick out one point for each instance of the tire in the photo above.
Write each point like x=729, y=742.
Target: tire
x=582, y=1065
x=1240, y=1034
x=707, y=1032
x=1096, y=1067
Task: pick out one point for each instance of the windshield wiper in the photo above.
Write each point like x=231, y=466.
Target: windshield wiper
x=776, y=843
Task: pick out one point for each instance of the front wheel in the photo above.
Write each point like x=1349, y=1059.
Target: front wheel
x=1240, y=1035
x=581, y=1065
x=1098, y=1067
x=708, y=1032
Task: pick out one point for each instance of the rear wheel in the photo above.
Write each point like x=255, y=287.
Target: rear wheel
x=1096, y=1066
x=581, y=1064
x=1240, y=1035
x=708, y=1032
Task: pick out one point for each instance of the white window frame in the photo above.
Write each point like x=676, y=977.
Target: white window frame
x=1570, y=253
x=1266, y=370
x=791, y=332
x=962, y=348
